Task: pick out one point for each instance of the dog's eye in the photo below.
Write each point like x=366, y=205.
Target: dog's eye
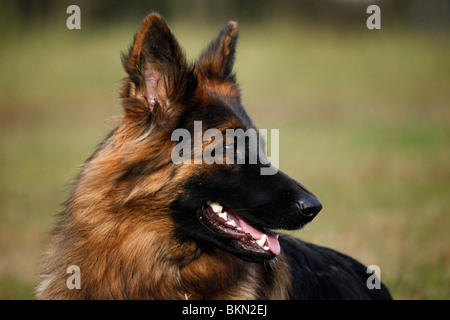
x=231, y=148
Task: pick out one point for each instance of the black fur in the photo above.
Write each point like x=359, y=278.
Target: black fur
x=323, y=273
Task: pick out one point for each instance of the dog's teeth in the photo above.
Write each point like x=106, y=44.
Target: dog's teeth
x=239, y=229
x=223, y=215
x=215, y=206
x=231, y=223
x=261, y=242
x=266, y=248
x=277, y=235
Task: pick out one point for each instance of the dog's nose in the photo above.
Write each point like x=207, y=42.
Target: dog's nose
x=309, y=206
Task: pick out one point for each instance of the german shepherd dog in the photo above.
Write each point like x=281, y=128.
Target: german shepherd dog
x=139, y=226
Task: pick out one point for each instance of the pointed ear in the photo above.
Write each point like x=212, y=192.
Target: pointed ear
x=157, y=68
x=216, y=62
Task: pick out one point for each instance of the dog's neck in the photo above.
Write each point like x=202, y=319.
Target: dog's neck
x=146, y=263
x=127, y=249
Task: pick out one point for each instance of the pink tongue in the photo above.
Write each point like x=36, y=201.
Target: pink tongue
x=272, y=240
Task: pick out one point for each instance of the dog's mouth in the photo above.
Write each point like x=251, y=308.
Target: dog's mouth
x=226, y=223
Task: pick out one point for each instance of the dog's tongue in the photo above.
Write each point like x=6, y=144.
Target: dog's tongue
x=272, y=240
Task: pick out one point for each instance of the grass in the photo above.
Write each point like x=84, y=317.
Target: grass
x=363, y=119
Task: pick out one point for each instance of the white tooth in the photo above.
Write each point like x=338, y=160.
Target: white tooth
x=239, y=229
x=261, y=242
x=277, y=235
x=266, y=248
x=223, y=215
x=231, y=223
x=215, y=206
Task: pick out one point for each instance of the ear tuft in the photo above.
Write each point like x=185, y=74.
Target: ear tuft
x=156, y=65
x=216, y=62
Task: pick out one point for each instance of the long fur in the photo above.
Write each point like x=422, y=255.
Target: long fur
x=118, y=225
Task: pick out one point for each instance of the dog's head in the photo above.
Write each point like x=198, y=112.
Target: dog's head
x=227, y=204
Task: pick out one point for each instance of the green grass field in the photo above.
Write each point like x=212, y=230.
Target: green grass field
x=363, y=118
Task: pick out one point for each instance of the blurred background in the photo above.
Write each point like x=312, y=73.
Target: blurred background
x=363, y=117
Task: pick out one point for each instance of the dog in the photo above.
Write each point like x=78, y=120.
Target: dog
x=137, y=225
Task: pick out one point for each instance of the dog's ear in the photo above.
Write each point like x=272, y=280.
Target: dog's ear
x=216, y=62
x=158, y=73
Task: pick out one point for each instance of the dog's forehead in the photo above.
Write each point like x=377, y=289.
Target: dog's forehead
x=225, y=105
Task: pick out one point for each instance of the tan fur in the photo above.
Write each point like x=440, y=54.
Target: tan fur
x=132, y=254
